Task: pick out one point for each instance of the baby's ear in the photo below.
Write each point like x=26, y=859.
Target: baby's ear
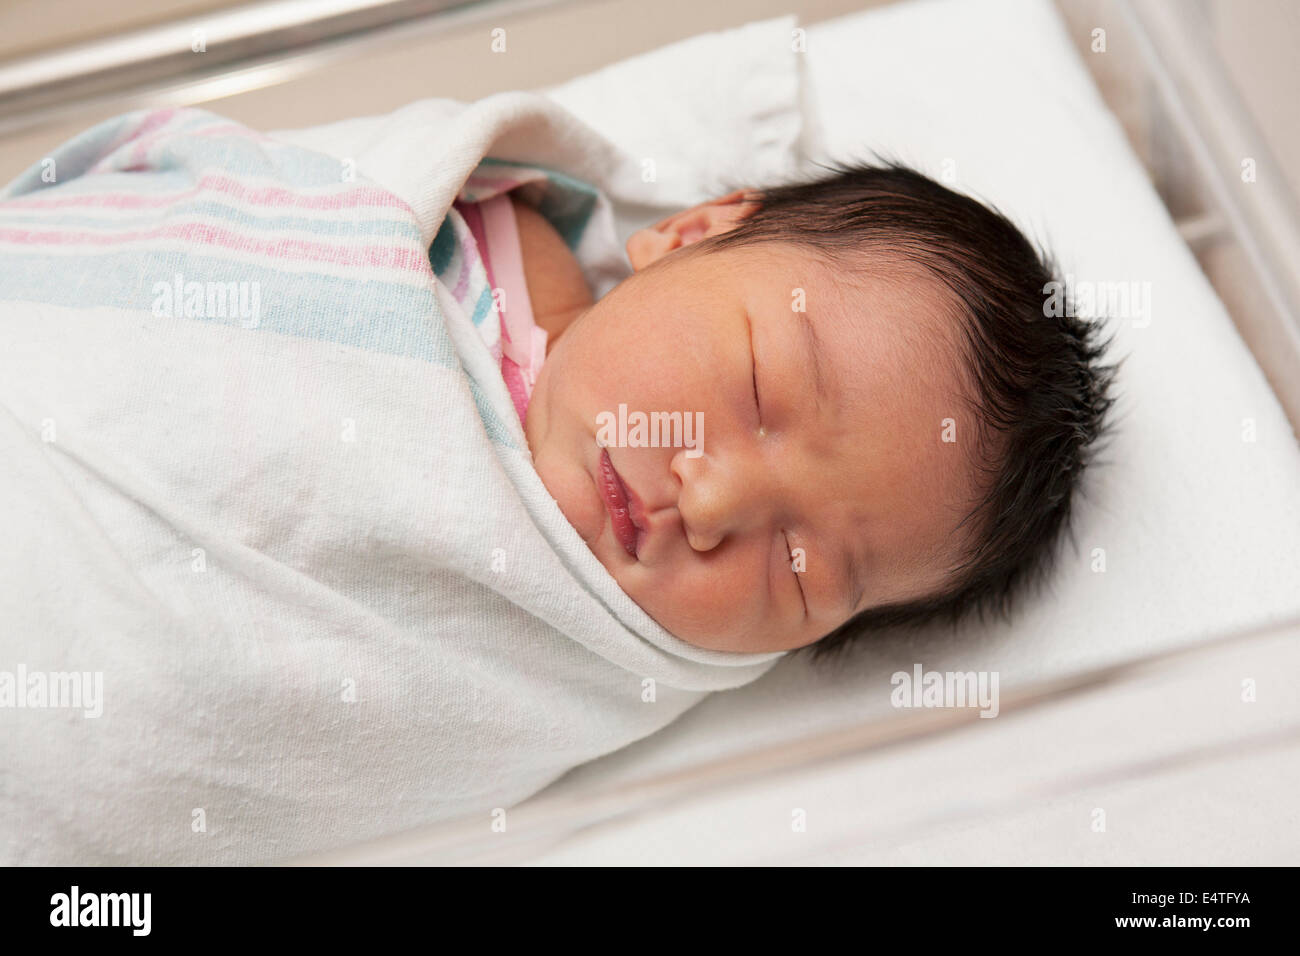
x=688, y=226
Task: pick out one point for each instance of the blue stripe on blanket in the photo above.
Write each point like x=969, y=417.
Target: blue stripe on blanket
x=444, y=248
x=373, y=315
x=567, y=202
x=75, y=157
x=176, y=159
x=296, y=300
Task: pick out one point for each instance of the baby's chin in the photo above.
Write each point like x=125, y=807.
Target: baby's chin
x=649, y=591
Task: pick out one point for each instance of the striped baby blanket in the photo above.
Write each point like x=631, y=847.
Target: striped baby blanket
x=277, y=572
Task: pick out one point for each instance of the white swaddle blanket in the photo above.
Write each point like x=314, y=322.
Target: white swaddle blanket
x=298, y=547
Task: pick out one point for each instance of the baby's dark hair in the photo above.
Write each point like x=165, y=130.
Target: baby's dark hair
x=1042, y=393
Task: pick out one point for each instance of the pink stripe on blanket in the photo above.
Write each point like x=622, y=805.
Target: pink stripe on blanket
x=270, y=197
x=152, y=128
x=152, y=122
x=402, y=258
x=520, y=391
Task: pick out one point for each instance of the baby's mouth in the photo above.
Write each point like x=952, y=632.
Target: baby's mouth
x=617, y=500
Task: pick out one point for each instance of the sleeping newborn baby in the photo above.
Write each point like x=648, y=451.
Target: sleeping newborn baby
x=890, y=424
x=324, y=563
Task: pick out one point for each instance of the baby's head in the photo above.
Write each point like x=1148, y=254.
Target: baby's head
x=876, y=422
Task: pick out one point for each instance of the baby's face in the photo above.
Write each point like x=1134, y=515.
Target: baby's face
x=837, y=466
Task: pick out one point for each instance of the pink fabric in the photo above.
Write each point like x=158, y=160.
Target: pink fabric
x=262, y=196
x=523, y=343
x=385, y=257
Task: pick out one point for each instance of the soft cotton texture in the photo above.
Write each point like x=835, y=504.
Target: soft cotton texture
x=304, y=544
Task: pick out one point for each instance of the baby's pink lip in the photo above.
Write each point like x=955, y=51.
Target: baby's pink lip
x=625, y=512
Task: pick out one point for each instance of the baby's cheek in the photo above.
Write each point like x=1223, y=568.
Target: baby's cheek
x=572, y=490
x=705, y=604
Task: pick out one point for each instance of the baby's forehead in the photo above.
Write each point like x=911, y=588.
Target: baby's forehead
x=886, y=312
x=853, y=281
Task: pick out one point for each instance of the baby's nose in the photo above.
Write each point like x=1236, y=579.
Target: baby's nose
x=716, y=501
